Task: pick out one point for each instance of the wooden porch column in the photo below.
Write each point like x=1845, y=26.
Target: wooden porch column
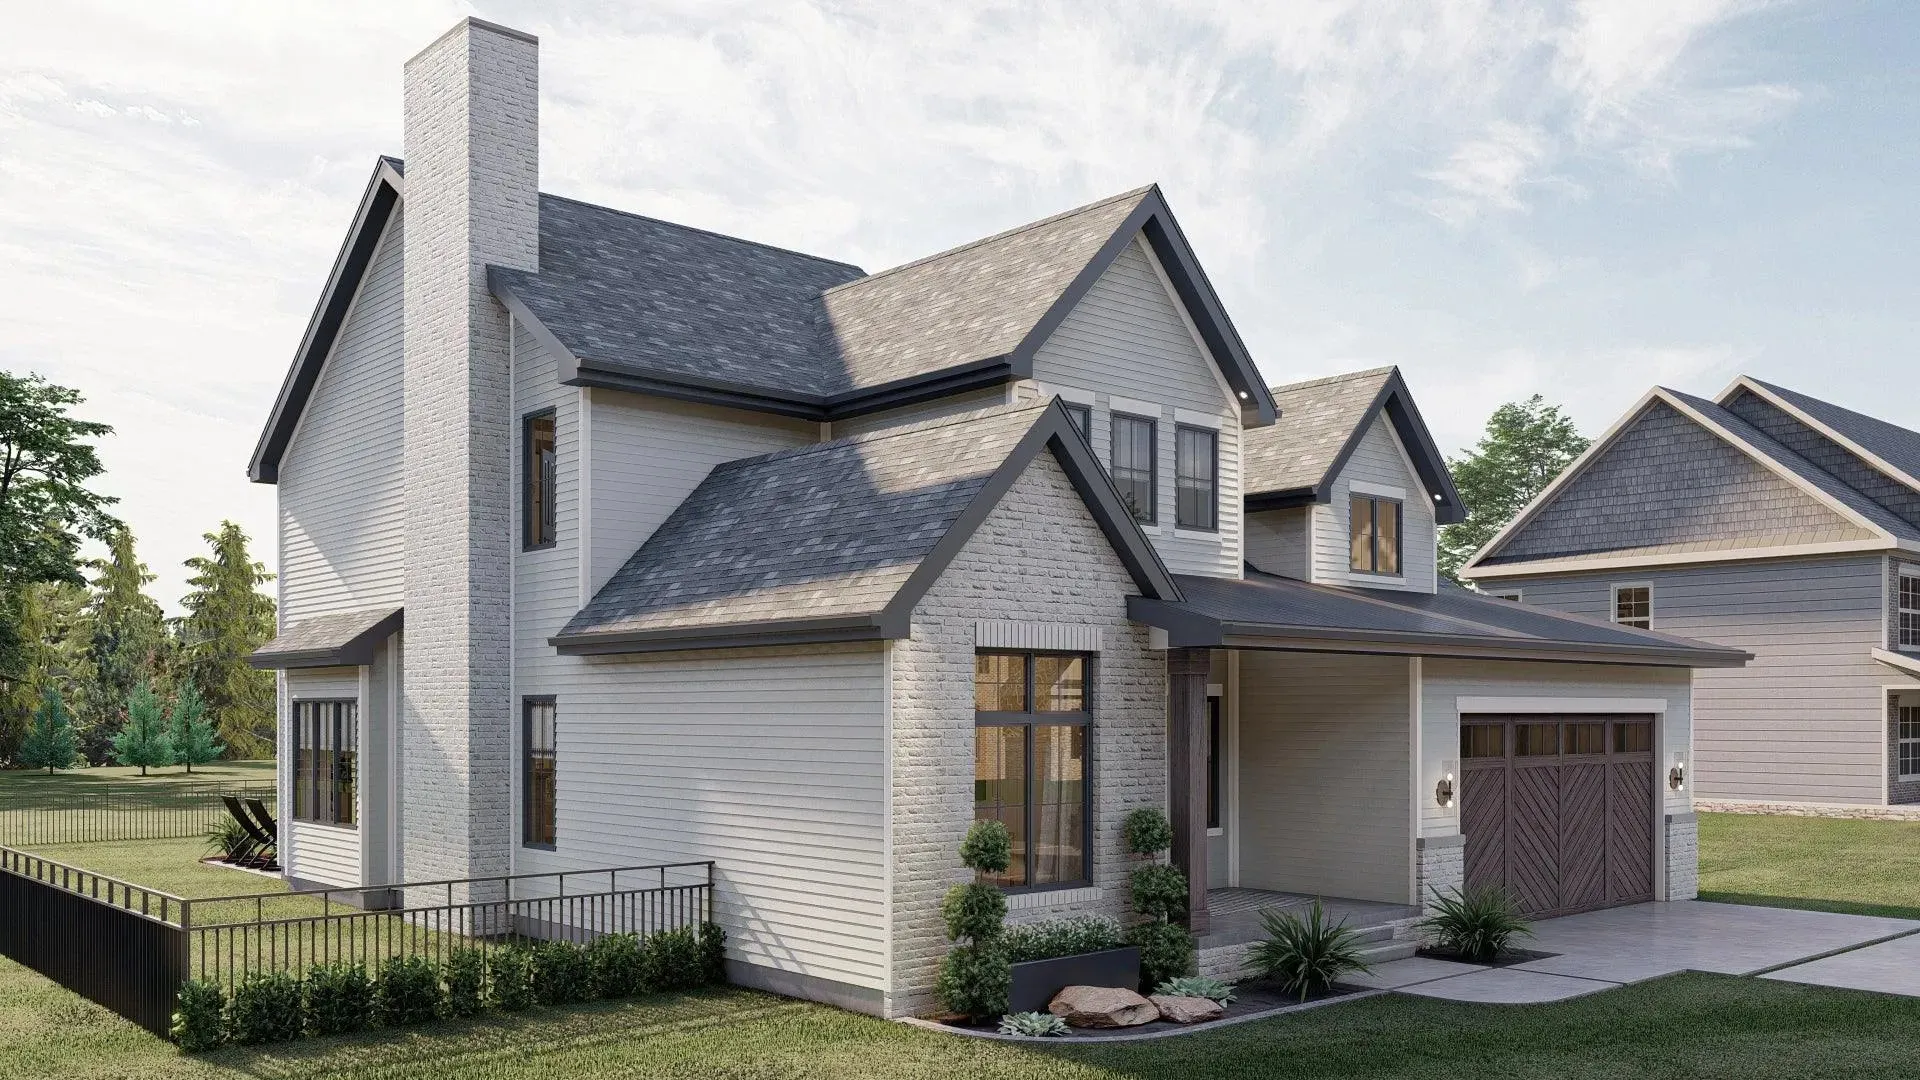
x=1187, y=774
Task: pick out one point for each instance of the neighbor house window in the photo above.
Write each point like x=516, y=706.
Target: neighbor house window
x=537, y=481
x=537, y=798
x=1373, y=532
x=1909, y=736
x=1633, y=605
x=1030, y=762
x=1508, y=594
x=1134, y=438
x=326, y=735
x=1196, y=477
x=1082, y=417
x=1909, y=612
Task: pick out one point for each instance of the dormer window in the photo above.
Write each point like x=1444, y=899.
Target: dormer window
x=1373, y=532
x=537, y=481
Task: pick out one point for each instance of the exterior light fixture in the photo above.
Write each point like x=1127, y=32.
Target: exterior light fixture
x=1443, y=791
x=1243, y=395
x=1677, y=776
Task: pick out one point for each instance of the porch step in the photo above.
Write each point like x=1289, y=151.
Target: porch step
x=1383, y=952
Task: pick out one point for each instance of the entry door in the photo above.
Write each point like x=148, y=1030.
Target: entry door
x=1559, y=809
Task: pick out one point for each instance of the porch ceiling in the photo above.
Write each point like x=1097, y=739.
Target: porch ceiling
x=1262, y=611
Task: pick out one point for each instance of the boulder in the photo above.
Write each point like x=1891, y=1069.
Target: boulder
x=1187, y=1010
x=1102, y=1007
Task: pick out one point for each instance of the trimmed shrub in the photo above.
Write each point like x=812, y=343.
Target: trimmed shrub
x=975, y=979
x=988, y=847
x=973, y=911
x=1305, y=954
x=1478, y=924
x=617, y=966
x=676, y=960
x=560, y=974
x=408, y=991
x=1166, y=952
x=510, y=978
x=337, y=998
x=713, y=953
x=265, y=1009
x=1158, y=892
x=200, y=1021
x=466, y=978
x=1062, y=937
x=1147, y=831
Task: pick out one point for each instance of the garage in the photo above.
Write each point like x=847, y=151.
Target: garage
x=1559, y=809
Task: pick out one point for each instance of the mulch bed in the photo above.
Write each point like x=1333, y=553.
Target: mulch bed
x=1248, y=999
x=1505, y=959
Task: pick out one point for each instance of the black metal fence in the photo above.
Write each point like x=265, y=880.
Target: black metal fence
x=165, y=811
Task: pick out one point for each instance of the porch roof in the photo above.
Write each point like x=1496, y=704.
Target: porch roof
x=342, y=639
x=1262, y=611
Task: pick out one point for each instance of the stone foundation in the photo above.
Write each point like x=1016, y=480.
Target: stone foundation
x=1823, y=810
x=1441, y=864
x=1683, y=856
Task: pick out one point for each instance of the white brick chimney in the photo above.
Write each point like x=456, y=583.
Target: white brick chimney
x=472, y=198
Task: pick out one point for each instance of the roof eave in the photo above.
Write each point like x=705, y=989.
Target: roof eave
x=876, y=626
x=355, y=652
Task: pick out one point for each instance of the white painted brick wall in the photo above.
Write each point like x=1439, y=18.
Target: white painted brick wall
x=1683, y=857
x=472, y=175
x=1439, y=866
x=1039, y=557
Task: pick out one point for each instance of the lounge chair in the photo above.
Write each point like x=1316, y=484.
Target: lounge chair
x=259, y=853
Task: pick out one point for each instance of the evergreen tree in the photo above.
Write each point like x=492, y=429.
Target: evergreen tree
x=44, y=616
x=144, y=740
x=190, y=730
x=50, y=744
x=127, y=646
x=228, y=617
x=1526, y=445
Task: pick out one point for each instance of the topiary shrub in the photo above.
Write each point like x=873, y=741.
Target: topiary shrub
x=408, y=991
x=510, y=978
x=1305, y=954
x=1166, y=951
x=466, y=977
x=337, y=999
x=974, y=911
x=200, y=1023
x=1146, y=831
x=617, y=966
x=560, y=974
x=713, y=953
x=675, y=959
x=1158, y=892
x=975, y=980
x=988, y=847
x=265, y=1009
x=976, y=976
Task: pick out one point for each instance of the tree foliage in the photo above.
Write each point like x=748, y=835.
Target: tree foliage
x=1526, y=444
x=143, y=741
x=50, y=743
x=190, y=730
x=127, y=645
x=46, y=460
x=228, y=617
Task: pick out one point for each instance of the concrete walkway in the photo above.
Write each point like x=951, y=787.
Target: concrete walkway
x=1599, y=950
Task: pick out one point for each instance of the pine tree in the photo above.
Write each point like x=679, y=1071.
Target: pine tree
x=144, y=741
x=228, y=617
x=190, y=731
x=50, y=743
x=128, y=646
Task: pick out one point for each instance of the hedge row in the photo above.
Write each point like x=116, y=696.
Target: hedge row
x=335, y=999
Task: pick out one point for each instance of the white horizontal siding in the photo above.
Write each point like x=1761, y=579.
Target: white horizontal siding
x=1281, y=541
x=341, y=495
x=1804, y=721
x=331, y=684
x=325, y=854
x=1325, y=756
x=547, y=583
x=1129, y=338
x=914, y=414
x=1378, y=460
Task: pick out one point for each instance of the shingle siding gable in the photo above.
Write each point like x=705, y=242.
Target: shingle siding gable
x=1842, y=463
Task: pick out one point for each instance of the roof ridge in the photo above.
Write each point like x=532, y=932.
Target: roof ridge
x=1015, y=231
x=990, y=412
x=1792, y=393
x=1325, y=379
x=705, y=232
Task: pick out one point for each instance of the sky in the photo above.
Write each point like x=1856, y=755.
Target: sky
x=1573, y=199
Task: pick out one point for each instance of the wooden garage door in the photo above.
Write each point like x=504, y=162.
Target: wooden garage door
x=1558, y=810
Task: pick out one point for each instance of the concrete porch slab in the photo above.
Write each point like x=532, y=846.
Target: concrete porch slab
x=1397, y=974
x=1507, y=986
x=1891, y=967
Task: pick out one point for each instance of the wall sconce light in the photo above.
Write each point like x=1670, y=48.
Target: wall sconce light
x=1443, y=791
x=1677, y=776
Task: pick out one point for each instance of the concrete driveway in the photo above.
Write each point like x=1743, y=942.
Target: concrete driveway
x=1599, y=950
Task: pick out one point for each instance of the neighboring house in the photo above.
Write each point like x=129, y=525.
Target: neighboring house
x=1765, y=520
x=610, y=541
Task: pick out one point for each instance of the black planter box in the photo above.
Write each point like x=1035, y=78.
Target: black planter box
x=1036, y=981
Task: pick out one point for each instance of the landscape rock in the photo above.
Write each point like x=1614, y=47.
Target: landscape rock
x=1102, y=1007
x=1187, y=1010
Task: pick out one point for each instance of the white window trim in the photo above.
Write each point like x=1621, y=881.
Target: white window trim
x=1908, y=571
x=1898, y=742
x=1075, y=395
x=1384, y=491
x=1472, y=705
x=1198, y=419
x=1613, y=601
x=1146, y=410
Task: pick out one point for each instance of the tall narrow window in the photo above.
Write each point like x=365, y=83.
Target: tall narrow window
x=537, y=481
x=326, y=741
x=1196, y=477
x=1908, y=717
x=1215, y=749
x=1633, y=605
x=1909, y=630
x=1030, y=762
x=538, y=801
x=1134, y=467
x=1082, y=417
x=1373, y=533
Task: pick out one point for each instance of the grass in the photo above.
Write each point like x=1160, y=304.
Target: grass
x=17, y=783
x=1820, y=864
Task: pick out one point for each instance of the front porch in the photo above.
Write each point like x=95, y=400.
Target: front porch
x=1234, y=921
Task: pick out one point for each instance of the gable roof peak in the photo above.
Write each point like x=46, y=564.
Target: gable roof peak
x=1330, y=380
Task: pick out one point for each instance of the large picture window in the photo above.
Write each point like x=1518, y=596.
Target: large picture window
x=1373, y=531
x=537, y=480
x=540, y=778
x=1196, y=478
x=326, y=738
x=1133, y=471
x=1030, y=766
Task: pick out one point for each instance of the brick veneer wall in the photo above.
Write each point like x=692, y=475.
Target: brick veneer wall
x=1683, y=856
x=1440, y=863
x=1039, y=557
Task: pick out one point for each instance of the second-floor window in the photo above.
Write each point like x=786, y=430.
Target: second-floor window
x=1633, y=605
x=1373, y=532
x=326, y=740
x=1082, y=417
x=537, y=481
x=1134, y=439
x=1909, y=629
x=1196, y=478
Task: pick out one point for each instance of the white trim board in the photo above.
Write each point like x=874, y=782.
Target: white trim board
x=1466, y=705
x=1384, y=491
x=1629, y=561
x=1145, y=410
x=1901, y=661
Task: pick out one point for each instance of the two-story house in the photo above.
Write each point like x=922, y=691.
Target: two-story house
x=606, y=540
x=1773, y=522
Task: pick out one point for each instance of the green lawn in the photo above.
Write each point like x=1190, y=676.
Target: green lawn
x=1853, y=867
x=17, y=783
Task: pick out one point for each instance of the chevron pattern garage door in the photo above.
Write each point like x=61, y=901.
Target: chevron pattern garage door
x=1558, y=810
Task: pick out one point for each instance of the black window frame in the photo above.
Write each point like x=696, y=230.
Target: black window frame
x=1216, y=761
x=527, y=705
x=1373, y=523
x=1114, y=421
x=1082, y=418
x=316, y=797
x=1212, y=502
x=1029, y=719
x=543, y=520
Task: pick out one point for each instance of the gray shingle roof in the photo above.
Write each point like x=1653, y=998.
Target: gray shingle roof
x=1891, y=443
x=1317, y=418
x=340, y=639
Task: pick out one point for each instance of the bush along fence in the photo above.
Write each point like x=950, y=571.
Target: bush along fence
x=141, y=952
x=171, y=812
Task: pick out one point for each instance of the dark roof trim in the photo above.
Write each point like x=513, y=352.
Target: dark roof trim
x=1187, y=628
x=1428, y=462
x=352, y=653
x=742, y=636
x=323, y=327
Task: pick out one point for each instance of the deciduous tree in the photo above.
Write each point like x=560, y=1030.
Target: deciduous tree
x=1526, y=444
